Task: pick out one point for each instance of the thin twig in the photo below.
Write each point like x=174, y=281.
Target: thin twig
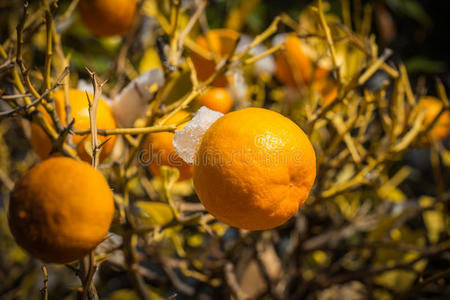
x=44, y=290
x=123, y=131
x=232, y=282
x=93, y=116
x=35, y=102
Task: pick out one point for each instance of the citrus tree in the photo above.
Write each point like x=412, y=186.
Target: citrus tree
x=150, y=151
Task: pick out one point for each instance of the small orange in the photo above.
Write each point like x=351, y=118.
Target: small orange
x=294, y=67
x=218, y=99
x=159, y=151
x=79, y=110
x=60, y=210
x=328, y=90
x=218, y=43
x=432, y=107
x=108, y=17
x=254, y=168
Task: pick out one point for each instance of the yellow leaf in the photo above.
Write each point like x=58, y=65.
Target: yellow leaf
x=177, y=240
x=195, y=240
x=345, y=174
x=398, y=280
x=219, y=228
x=426, y=201
x=320, y=256
x=169, y=175
x=182, y=188
x=435, y=223
x=445, y=154
x=348, y=205
x=149, y=61
x=154, y=213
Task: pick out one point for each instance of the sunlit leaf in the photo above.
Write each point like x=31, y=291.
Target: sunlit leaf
x=150, y=60
x=435, y=223
x=181, y=188
x=445, y=155
x=177, y=241
x=195, y=240
x=169, y=175
x=320, y=257
x=154, y=213
x=398, y=280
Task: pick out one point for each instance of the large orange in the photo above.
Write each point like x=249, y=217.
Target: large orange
x=219, y=43
x=79, y=110
x=254, y=168
x=108, y=17
x=158, y=150
x=60, y=210
x=218, y=99
x=432, y=107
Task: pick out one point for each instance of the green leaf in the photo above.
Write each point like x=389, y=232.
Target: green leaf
x=423, y=64
x=412, y=9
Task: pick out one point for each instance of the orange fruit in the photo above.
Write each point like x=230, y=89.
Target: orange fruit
x=218, y=99
x=219, y=43
x=432, y=107
x=159, y=151
x=328, y=91
x=60, y=210
x=294, y=67
x=79, y=110
x=254, y=168
x=108, y=17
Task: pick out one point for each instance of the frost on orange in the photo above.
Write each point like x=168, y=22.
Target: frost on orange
x=254, y=168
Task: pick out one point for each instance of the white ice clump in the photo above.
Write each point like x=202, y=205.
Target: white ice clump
x=265, y=65
x=132, y=101
x=187, y=140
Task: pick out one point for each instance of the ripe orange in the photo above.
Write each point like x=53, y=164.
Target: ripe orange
x=254, y=168
x=432, y=106
x=219, y=43
x=108, y=17
x=294, y=67
x=159, y=150
x=60, y=210
x=328, y=91
x=80, y=112
x=218, y=99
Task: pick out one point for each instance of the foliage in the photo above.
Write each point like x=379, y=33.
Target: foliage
x=375, y=225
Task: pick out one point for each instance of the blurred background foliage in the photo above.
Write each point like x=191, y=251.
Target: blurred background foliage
x=387, y=241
